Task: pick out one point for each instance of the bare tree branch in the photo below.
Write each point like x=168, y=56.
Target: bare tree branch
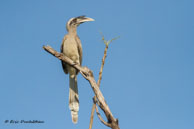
x=100, y=77
x=88, y=75
x=99, y=80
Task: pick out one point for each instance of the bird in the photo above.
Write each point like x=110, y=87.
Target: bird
x=72, y=48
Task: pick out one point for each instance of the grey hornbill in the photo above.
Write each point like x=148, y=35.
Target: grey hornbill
x=72, y=48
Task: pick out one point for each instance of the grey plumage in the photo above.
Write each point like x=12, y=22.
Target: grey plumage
x=72, y=48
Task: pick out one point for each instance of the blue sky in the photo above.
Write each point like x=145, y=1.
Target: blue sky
x=148, y=75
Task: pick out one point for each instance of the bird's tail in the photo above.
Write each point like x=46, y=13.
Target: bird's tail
x=73, y=98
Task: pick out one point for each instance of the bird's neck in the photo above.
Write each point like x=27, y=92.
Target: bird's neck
x=72, y=31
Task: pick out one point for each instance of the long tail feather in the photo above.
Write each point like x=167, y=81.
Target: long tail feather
x=73, y=98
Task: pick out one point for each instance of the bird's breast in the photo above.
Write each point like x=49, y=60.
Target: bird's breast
x=70, y=49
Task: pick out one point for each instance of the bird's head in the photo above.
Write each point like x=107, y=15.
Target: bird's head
x=73, y=23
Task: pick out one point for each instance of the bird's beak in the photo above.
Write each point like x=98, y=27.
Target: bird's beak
x=86, y=19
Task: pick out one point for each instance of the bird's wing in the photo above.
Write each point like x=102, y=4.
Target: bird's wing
x=63, y=63
x=79, y=45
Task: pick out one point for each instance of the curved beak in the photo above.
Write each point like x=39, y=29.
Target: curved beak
x=86, y=19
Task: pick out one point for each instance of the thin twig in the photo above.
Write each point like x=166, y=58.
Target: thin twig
x=102, y=66
x=92, y=115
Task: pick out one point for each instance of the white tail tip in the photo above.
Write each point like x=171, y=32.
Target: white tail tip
x=74, y=116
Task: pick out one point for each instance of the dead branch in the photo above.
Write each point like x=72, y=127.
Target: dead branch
x=99, y=80
x=88, y=75
x=99, y=116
